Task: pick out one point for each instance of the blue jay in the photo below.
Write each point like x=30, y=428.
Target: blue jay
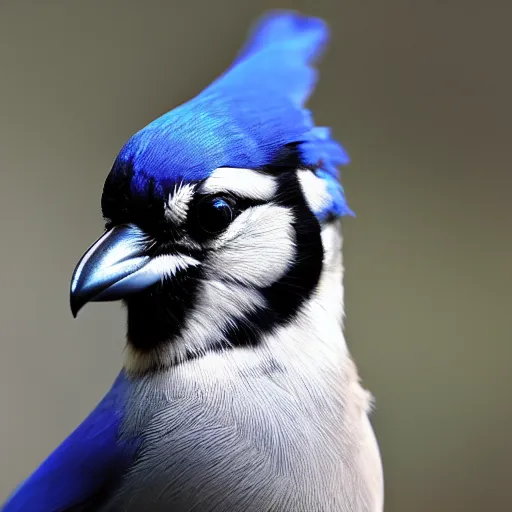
x=223, y=239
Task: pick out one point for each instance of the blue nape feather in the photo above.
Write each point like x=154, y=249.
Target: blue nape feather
x=89, y=459
x=246, y=117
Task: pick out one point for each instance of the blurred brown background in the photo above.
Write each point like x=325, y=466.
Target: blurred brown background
x=419, y=93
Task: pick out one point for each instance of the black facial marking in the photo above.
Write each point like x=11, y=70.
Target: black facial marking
x=120, y=205
x=157, y=315
x=285, y=297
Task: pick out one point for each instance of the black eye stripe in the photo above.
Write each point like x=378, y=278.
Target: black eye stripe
x=150, y=216
x=204, y=223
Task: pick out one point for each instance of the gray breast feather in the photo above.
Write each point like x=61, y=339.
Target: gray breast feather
x=255, y=447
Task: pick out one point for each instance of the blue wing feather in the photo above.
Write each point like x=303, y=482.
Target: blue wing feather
x=92, y=456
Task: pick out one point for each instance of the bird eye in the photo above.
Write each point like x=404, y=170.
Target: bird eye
x=214, y=214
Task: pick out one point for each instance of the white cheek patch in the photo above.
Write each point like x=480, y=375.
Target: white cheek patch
x=242, y=182
x=218, y=306
x=176, y=208
x=257, y=249
x=314, y=190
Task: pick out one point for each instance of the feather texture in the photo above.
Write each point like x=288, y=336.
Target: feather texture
x=279, y=422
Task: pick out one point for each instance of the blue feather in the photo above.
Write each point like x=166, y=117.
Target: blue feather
x=89, y=459
x=244, y=118
x=284, y=28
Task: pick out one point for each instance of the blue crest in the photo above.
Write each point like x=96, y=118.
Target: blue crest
x=245, y=117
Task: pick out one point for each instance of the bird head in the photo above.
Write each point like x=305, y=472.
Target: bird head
x=214, y=211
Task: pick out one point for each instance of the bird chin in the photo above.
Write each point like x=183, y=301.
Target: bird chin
x=157, y=314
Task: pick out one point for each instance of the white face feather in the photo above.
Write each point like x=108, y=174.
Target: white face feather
x=256, y=249
x=218, y=307
x=314, y=190
x=242, y=182
x=168, y=265
x=176, y=208
x=254, y=252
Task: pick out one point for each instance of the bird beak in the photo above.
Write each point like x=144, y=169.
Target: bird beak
x=113, y=267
